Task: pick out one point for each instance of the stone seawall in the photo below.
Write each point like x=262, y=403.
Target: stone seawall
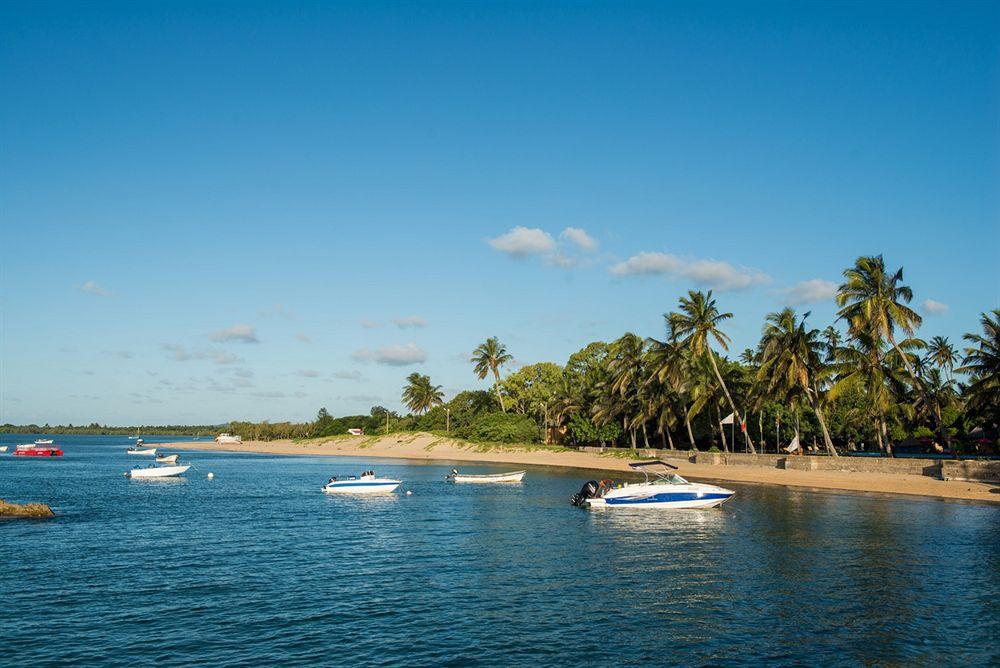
x=976, y=471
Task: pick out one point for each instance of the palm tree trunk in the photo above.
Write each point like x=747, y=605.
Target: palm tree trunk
x=917, y=383
x=885, y=439
x=878, y=435
x=496, y=386
x=687, y=423
x=827, y=441
x=645, y=436
x=722, y=429
x=670, y=439
x=725, y=390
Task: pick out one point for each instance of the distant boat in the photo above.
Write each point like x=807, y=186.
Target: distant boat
x=158, y=471
x=132, y=438
x=140, y=449
x=43, y=441
x=36, y=450
x=366, y=483
x=514, y=476
x=167, y=459
x=228, y=439
x=3, y=448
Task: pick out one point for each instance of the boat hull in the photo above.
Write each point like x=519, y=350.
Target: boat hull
x=167, y=459
x=515, y=476
x=39, y=452
x=676, y=501
x=362, y=486
x=145, y=452
x=159, y=472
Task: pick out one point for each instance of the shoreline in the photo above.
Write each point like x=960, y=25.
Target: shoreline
x=427, y=447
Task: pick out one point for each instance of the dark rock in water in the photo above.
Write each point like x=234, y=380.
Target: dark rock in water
x=35, y=510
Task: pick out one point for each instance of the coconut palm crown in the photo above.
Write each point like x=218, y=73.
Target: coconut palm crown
x=488, y=357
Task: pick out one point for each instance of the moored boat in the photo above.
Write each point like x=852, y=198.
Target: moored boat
x=513, y=476
x=140, y=449
x=158, y=471
x=228, y=439
x=665, y=490
x=3, y=448
x=167, y=459
x=43, y=441
x=366, y=483
x=35, y=450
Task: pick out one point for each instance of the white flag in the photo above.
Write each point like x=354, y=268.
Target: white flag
x=793, y=446
x=729, y=419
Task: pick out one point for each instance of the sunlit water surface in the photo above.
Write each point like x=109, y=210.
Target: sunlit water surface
x=258, y=567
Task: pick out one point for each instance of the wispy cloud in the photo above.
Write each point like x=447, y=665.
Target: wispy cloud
x=279, y=310
x=346, y=375
x=934, y=307
x=303, y=338
x=409, y=321
x=361, y=398
x=398, y=355
x=521, y=242
x=579, y=238
x=121, y=354
x=809, y=292
x=713, y=274
x=307, y=373
x=236, y=333
x=93, y=288
x=180, y=353
x=369, y=324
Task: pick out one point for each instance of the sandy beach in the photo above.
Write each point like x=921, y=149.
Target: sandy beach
x=430, y=447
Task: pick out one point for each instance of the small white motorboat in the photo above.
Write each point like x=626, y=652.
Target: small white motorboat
x=158, y=471
x=513, y=476
x=43, y=441
x=366, y=483
x=228, y=439
x=140, y=450
x=3, y=448
x=167, y=459
x=666, y=490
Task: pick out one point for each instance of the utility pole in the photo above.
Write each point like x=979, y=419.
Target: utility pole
x=447, y=419
x=387, y=422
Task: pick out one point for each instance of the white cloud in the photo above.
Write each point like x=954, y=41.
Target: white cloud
x=346, y=375
x=523, y=241
x=240, y=333
x=370, y=324
x=559, y=260
x=308, y=373
x=579, y=238
x=409, y=321
x=301, y=336
x=934, y=307
x=398, y=355
x=811, y=291
x=95, y=289
x=179, y=353
x=713, y=274
x=243, y=373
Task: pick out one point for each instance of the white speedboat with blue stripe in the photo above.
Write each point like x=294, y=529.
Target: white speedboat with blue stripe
x=366, y=483
x=665, y=490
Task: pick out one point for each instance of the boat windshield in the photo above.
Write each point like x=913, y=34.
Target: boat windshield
x=674, y=479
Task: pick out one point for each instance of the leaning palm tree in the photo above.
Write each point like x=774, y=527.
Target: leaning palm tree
x=875, y=301
x=791, y=364
x=982, y=364
x=488, y=358
x=420, y=395
x=695, y=326
x=942, y=353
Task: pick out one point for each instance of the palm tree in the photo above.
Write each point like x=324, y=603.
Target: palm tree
x=420, y=395
x=832, y=340
x=875, y=301
x=489, y=357
x=982, y=364
x=791, y=364
x=625, y=363
x=695, y=325
x=942, y=353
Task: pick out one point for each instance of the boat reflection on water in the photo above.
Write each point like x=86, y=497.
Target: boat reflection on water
x=641, y=525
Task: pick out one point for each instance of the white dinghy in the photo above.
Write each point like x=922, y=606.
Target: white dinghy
x=513, y=476
x=366, y=483
x=167, y=459
x=140, y=449
x=158, y=471
x=3, y=448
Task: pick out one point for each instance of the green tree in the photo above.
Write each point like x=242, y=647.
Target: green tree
x=420, y=395
x=695, y=325
x=982, y=364
x=488, y=358
x=942, y=353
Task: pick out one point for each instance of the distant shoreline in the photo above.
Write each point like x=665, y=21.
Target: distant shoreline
x=427, y=447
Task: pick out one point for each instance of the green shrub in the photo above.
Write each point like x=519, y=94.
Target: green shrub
x=502, y=428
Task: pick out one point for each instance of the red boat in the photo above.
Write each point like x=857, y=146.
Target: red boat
x=37, y=450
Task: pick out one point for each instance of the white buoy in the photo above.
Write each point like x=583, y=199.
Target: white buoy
x=211, y=475
x=409, y=493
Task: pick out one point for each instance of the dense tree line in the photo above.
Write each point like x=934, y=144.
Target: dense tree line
x=106, y=430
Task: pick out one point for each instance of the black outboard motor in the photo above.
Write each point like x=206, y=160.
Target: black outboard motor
x=588, y=491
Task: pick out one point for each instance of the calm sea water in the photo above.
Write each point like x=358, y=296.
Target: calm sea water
x=258, y=567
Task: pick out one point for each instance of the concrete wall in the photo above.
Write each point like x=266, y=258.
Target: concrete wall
x=986, y=471
x=971, y=470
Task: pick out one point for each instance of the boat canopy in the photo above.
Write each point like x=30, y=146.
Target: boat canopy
x=656, y=462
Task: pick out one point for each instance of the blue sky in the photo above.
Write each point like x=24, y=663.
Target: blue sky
x=217, y=211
